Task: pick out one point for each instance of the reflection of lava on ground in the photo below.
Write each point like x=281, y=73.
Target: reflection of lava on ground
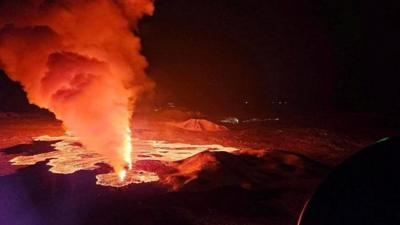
x=70, y=157
x=265, y=179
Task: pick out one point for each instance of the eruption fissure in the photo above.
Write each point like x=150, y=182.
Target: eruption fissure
x=81, y=61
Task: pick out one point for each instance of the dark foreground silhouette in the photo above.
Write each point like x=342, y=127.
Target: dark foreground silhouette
x=363, y=190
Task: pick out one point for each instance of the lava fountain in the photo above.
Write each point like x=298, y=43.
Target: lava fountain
x=81, y=61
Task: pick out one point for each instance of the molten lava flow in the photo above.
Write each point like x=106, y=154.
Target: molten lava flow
x=69, y=157
x=81, y=61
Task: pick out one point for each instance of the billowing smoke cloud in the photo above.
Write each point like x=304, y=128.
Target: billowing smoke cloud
x=81, y=60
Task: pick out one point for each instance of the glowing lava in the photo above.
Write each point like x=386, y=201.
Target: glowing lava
x=127, y=153
x=128, y=148
x=69, y=157
x=131, y=177
x=122, y=175
x=82, y=61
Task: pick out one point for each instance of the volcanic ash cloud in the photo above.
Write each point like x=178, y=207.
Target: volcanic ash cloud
x=81, y=61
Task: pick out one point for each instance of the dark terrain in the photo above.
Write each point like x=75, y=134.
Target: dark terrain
x=279, y=166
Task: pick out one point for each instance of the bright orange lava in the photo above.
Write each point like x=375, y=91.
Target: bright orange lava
x=122, y=175
x=69, y=157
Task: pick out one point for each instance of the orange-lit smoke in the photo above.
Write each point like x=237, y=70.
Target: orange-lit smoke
x=81, y=60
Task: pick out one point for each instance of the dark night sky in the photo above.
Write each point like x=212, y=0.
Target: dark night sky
x=316, y=54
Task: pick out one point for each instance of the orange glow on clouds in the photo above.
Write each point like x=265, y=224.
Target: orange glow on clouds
x=81, y=61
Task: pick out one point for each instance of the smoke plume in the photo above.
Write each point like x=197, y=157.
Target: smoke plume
x=80, y=60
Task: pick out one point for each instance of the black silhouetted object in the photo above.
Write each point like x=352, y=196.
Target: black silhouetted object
x=364, y=190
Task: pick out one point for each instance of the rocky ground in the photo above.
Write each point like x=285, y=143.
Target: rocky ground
x=278, y=166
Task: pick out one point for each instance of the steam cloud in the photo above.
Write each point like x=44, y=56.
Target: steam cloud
x=81, y=60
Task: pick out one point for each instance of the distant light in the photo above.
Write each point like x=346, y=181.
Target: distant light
x=383, y=139
x=231, y=120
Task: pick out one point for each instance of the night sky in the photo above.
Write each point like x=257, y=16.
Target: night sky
x=215, y=55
